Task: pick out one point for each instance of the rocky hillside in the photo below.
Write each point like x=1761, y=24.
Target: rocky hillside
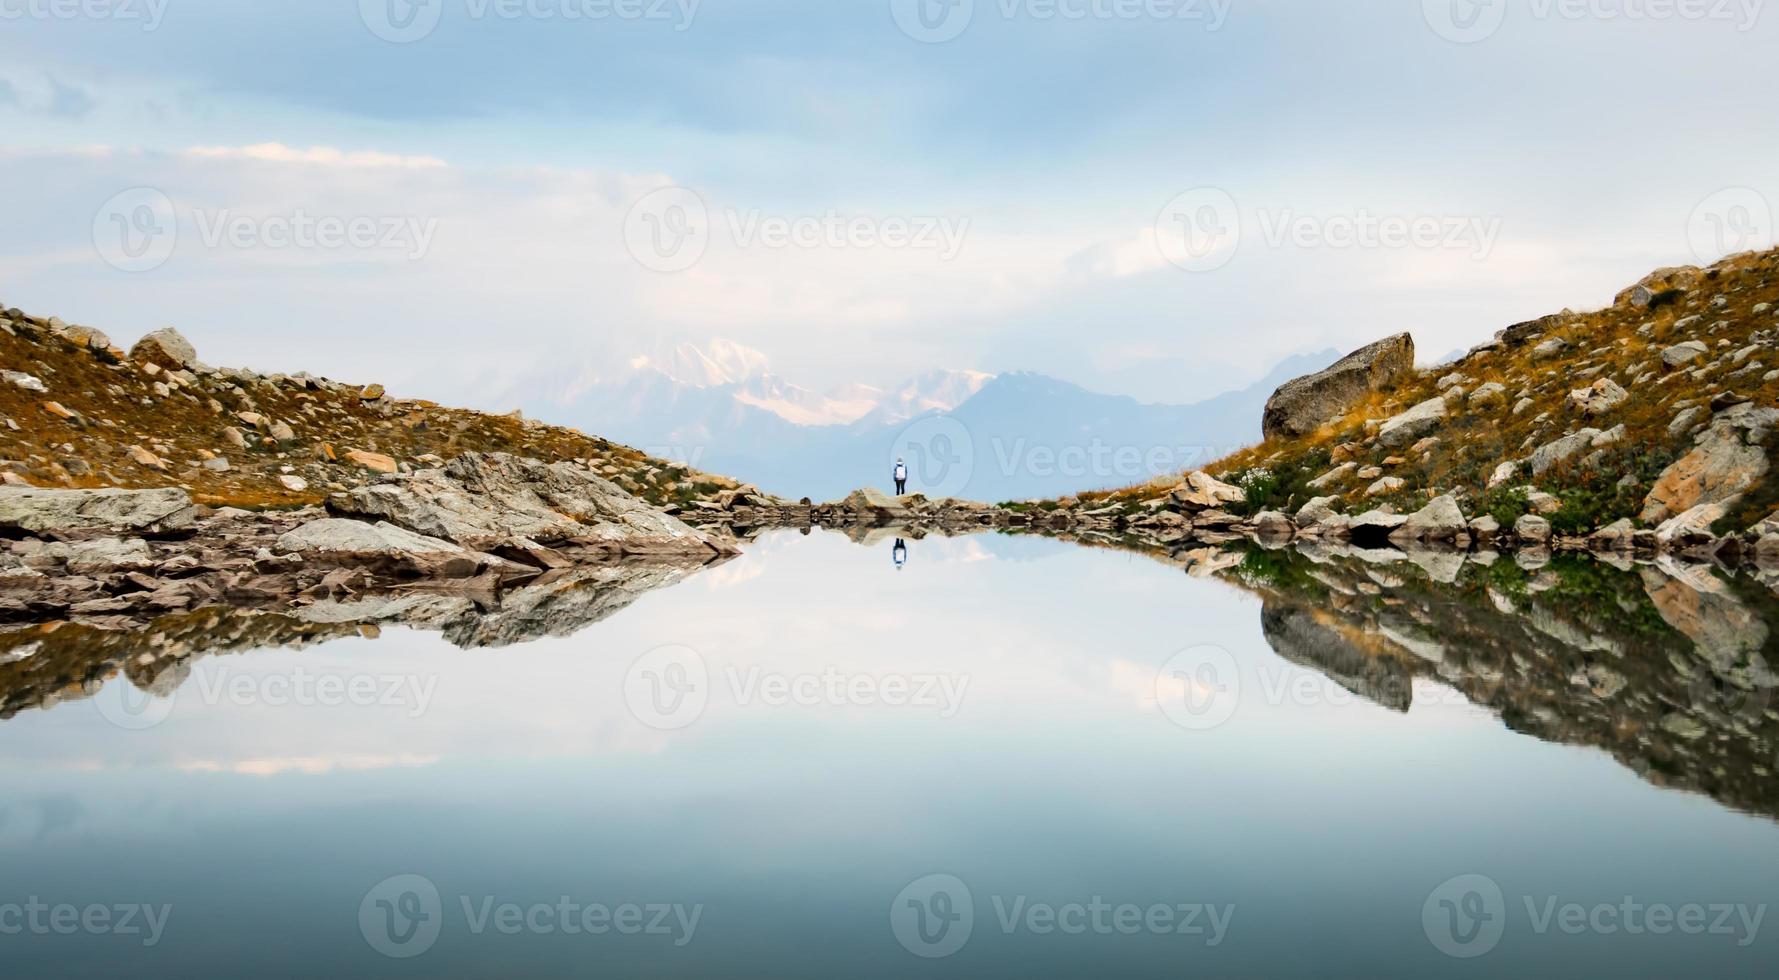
x=77, y=411
x=1654, y=416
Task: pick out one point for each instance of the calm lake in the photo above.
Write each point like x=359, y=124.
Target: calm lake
x=1007, y=757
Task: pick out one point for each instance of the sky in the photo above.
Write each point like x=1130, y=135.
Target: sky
x=1160, y=198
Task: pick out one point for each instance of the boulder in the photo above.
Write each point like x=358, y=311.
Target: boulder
x=1532, y=529
x=1490, y=395
x=1657, y=285
x=1485, y=530
x=1559, y=451
x=1411, y=425
x=1551, y=348
x=1389, y=484
x=1597, y=399
x=872, y=499
x=375, y=462
x=1680, y=355
x=1303, y=405
x=165, y=347
x=1318, y=511
x=1273, y=524
x=1333, y=476
x=1440, y=521
x=56, y=511
x=1202, y=490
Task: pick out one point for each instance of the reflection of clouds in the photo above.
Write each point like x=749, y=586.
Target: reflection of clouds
x=743, y=569
x=308, y=765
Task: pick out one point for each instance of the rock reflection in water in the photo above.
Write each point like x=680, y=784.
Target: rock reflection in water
x=1667, y=668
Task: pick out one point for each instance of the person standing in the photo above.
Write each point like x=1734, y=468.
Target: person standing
x=901, y=476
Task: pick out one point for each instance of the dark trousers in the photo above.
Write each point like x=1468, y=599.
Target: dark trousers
x=901, y=487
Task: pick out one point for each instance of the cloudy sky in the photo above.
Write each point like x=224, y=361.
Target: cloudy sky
x=1154, y=197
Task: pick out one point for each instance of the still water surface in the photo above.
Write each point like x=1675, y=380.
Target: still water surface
x=810, y=762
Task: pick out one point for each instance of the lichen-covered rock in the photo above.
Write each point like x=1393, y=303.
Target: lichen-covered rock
x=1720, y=468
x=39, y=511
x=165, y=347
x=1411, y=425
x=1305, y=404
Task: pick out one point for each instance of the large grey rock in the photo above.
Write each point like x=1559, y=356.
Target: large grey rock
x=1680, y=355
x=1441, y=520
x=1597, y=399
x=1411, y=425
x=1532, y=529
x=55, y=511
x=345, y=542
x=488, y=500
x=1305, y=404
x=167, y=347
x=1559, y=451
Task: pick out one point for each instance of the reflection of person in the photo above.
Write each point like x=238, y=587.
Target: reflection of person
x=900, y=553
x=901, y=475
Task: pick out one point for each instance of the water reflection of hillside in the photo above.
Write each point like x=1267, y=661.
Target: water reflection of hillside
x=1668, y=669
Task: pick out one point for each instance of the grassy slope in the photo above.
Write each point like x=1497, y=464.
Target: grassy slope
x=118, y=408
x=1620, y=342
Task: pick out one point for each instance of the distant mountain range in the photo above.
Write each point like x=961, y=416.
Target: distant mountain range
x=963, y=433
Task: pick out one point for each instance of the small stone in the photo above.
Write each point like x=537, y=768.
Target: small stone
x=371, y=393
x=25, y=381
x=56, y=409
x=143, y=457
x=295, y=484
x=376, y=462
x=217, y=465
x=1532, y=528
x=233, y=437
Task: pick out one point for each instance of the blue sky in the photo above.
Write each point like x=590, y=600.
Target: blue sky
x=503, y=157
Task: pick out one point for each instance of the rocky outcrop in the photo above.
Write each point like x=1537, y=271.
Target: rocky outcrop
x=1726, y=461
x=1303, y=405
x=361, y=545
x=486, y=501
x=61, y=511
